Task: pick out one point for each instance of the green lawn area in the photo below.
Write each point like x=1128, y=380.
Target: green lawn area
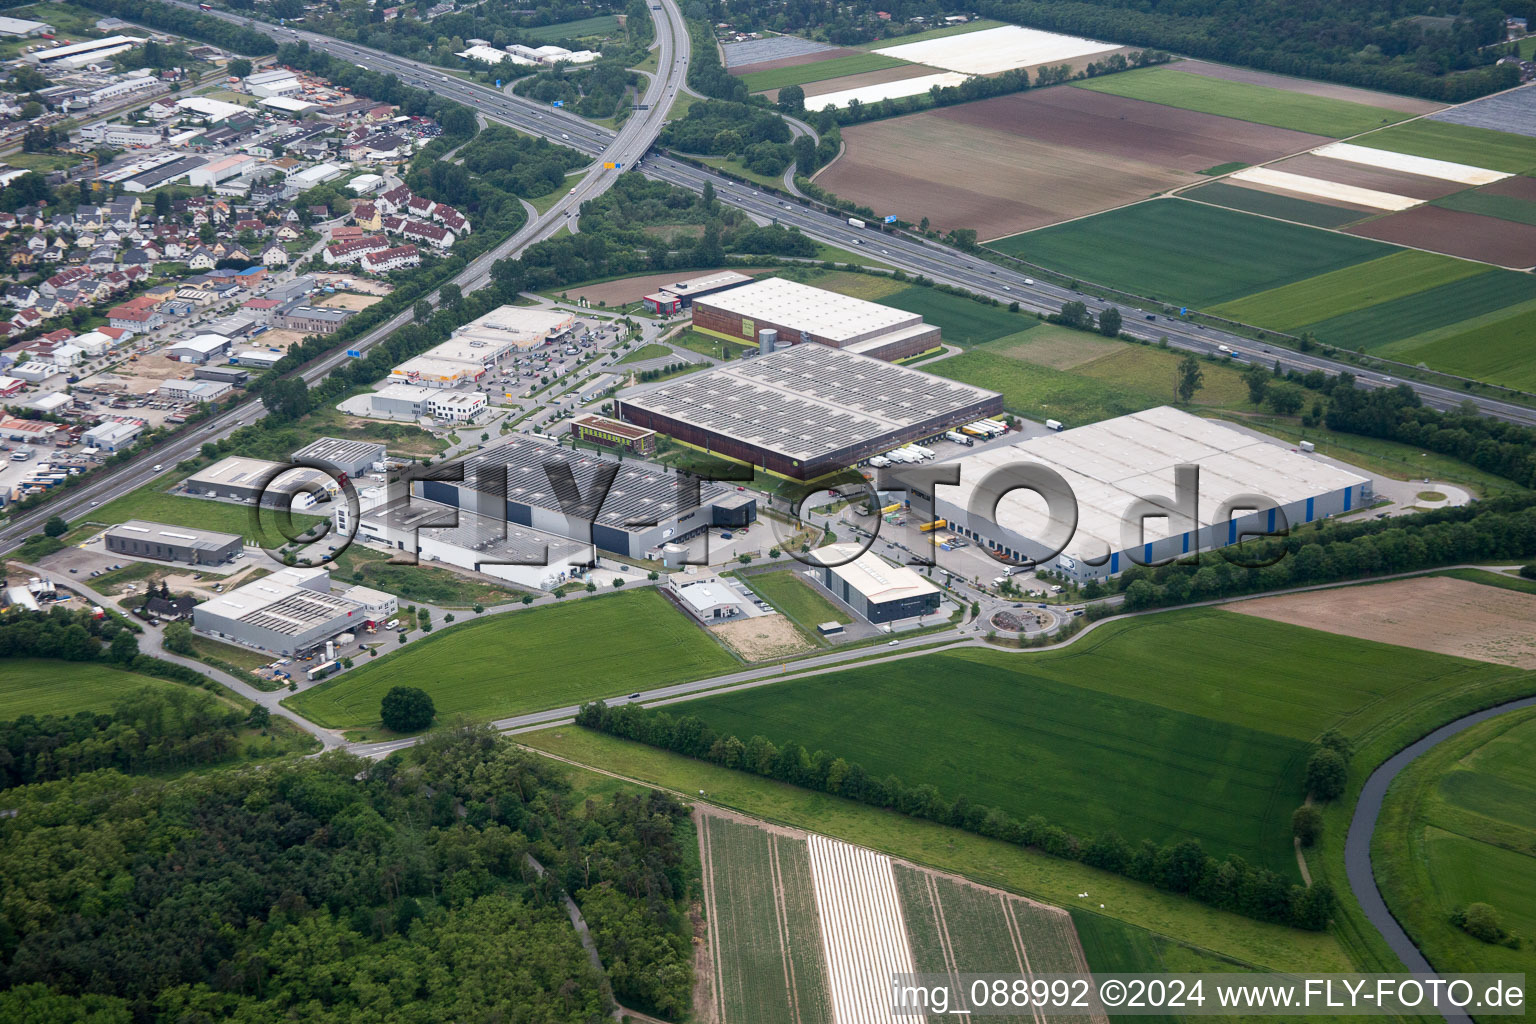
x=1319, y=115
x=741, y=170
x=159, y=507
x=1189, y=254
x=1269, y=204
x=1040, y=392
x=708, y=345
x=645, y=352
x=1463, y=144
x=240, y=657
x=820, y=71
x=989, y=861
x=1374, y=327
x=528, y=661
x=599, y=25
x=544, y=202
x=1492, y=579
x=1521, y=211
x=41, y=161
x=1406, y=272
x=1459, y=827
x=797, y=598
x=425, y=583
x=44, y=686
x=1193, y=724
x=874, y=287
x=965, y=322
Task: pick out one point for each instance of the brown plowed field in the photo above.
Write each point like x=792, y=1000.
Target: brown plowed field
x=1414, y=186
x=633, y=289
x=814, y=57
x=1432, y=613
x=1518, y=186
x=1454, y=233
x=1406, y=104
x=1023, y=161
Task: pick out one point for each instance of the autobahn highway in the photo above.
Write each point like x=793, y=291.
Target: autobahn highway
x=939, y=262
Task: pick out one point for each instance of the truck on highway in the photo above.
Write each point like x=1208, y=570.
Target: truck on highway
x=1224, y=350
x=205, y=7
x=1053, y=425
x=959, y=438
x=854, y=222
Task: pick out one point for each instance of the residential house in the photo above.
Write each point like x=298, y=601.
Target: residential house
x=385, y=260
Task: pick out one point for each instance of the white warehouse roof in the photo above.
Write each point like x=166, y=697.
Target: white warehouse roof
x=1113, y=463
x=816, y=310
x=878, y=580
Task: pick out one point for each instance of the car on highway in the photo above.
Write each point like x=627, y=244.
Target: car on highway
x=158, y=467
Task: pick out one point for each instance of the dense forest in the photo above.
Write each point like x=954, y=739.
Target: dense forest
x=424, y=888
x=186, y=23
x=597, y=91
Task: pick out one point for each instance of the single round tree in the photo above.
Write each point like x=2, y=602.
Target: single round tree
x=1326, y=774
x=406, y=709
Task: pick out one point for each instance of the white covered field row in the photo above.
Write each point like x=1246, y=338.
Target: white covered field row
x=863, y=935
x=1365, y=156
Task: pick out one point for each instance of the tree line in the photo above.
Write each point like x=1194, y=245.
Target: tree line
x=1182, y=867
x=336, y=889
x=186, y=23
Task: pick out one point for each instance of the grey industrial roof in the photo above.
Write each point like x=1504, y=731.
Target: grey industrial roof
x=337, y=450
x=279, y=603
x=639, y=492
x=496, y=540
x=161, y=533
x=808, y=400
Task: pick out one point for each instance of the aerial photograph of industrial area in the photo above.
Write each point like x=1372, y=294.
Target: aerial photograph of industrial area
x=767, y=511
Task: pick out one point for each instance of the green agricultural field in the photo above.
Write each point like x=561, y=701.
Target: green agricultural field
x=1268, y=204
x=601, y=25
x=797, y=598
x=522, y=661
x=1174, y=743
x=1521, y=211
x=965, y=322
x=1459, y=827
x=1462, y=144
x=1318, y=115
x=873, y=287
x=1189, y=254
x=1406, y=272
x=159, y=507
x=1497, y=352
x=760, y=903
x=43, y=686
x=989, y=861
x=1373, y=327
x=820, y=71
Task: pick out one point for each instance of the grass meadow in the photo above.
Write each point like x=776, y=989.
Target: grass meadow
x=798, y=599
x=1459, y=827
x=44, y=686
x=600, y=25
x=1281, y=108
x=158, y=507
x=527, y=661
x=1173, y=739
x=1186, y=253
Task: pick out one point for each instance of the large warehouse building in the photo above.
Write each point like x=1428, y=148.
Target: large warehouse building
x=679, y=295
x=873, y=587
x=139, y=539
x=1115, y=465
x=800, y=313
x=344, y=455
x=807, y=411
x=509, y=485
x=291, y=611
x=238, y=478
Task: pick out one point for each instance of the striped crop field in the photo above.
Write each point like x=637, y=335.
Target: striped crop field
x=863, y=935
x=765, y=943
